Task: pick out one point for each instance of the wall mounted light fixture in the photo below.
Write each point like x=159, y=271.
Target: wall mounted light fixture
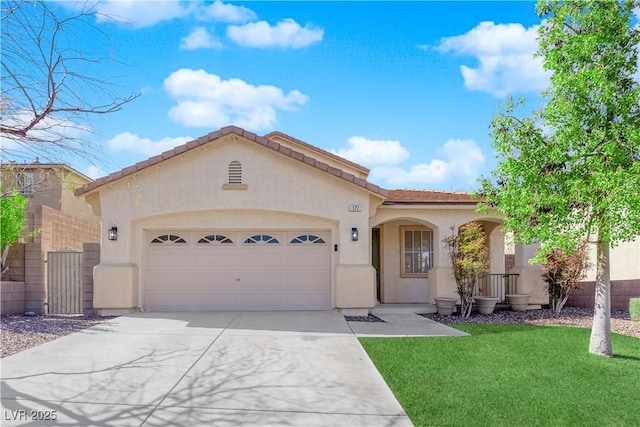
x=354, y=234
x=113, y=233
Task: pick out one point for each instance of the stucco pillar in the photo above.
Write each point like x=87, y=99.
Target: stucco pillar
x=115, y=289
x=441, y=281
x=496, y=251
x=355, y=289
x=530, y=275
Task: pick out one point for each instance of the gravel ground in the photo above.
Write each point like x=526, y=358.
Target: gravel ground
x=369, y=319
x=19, y=332
x=570, y=316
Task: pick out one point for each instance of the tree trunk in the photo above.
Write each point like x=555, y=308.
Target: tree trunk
x=561, y=304
x=558, y=303
x=5, y=253
x=600, y=342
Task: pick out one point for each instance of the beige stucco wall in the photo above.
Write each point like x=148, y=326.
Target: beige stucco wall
x=47, y=190
x=186, y=192
x=54, y=188
x=625, y=261
x=119, y=286
x=530, y=275
x=358, y=291
x=72, y=204
x=496, y=246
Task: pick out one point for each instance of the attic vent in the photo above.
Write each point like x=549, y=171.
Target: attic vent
x=235, y=172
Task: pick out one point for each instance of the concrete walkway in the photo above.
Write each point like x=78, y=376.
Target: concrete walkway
x=206, y=369
x=403, y=325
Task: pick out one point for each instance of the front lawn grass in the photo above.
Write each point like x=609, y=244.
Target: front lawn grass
x=511, y=375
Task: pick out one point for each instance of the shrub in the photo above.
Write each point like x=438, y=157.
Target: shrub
x=634, y=308
x=469, y=254
x=562, y=270
x=12, y=221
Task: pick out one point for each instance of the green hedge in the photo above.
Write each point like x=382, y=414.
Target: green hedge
x=634, y=308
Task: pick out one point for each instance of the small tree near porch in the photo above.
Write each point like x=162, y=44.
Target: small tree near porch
x=469, y=255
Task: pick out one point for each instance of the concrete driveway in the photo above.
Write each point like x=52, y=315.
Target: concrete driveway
x=197, y=369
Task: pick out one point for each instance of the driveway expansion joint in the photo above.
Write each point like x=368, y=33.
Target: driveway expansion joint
x=186, y=372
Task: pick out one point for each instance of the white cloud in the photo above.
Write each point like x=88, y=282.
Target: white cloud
x=460, y=165
x=222, y=12
x=53, y=139
x=505, y=55
x=127, y=141
x=286, y=34
x=372, y=152
x=147, y=13
x=206, y=100
x=51, y=128
x=94, y=172
x=142, y=13
x=200, y=39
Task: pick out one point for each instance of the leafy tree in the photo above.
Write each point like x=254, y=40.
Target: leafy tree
x=572, y=169
x=563, y=270
x=12, y=222
x=469, y=254
x=50, y=87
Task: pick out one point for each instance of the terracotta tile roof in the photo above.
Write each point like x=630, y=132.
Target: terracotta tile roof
x=418, y=197
x=317, y=150
x=264, y=141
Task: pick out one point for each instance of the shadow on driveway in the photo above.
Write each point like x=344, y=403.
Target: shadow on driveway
x=235, y=368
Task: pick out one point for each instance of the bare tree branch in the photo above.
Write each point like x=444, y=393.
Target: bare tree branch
x=51, y=88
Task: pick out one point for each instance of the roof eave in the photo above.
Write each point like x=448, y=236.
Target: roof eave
x=345, y=176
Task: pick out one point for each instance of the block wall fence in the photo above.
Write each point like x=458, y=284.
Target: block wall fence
x=621, y=291
x=28, y=261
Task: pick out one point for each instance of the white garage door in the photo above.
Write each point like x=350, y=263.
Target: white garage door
x=231, y=270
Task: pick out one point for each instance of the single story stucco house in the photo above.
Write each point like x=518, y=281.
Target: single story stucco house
x=237, y=221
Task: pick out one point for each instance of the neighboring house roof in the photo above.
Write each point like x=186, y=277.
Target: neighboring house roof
x=37, y=165
x=427, y=197
x=277, y=134
x=264, y=141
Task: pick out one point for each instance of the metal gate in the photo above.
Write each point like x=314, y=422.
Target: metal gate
x=64, y=284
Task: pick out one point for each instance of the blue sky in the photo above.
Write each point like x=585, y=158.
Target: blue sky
x=407, y=89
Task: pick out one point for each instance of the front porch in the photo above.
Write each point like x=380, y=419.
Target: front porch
x=489, y=285
x=497, y=286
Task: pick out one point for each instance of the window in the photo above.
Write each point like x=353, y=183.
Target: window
x=168, y=239
x=215, y=238
x=417, y=251
x=25, y=182
x=261, y=238
x=235, y=172
x=308, y=238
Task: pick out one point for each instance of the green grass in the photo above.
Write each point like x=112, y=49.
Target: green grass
x=507, y=375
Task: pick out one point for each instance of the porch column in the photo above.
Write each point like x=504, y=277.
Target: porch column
x=530, y=275
x=441, y=282
x=495, y=241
